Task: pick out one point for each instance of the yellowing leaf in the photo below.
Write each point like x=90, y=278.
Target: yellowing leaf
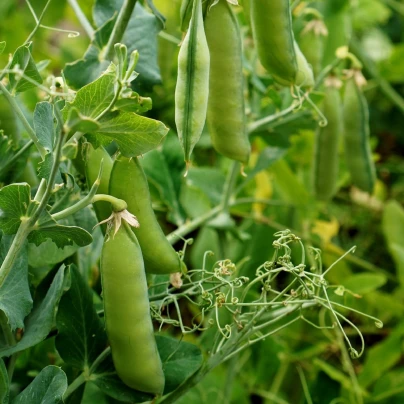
x=326, y=230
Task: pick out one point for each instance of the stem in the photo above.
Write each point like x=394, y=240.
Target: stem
x=187, y=228
x=82, y=18
x=117, y=204
x=19, y=153
x=74, y=386
x=384, y=85
x=325, y=72
x=229, y=184
x=11, y=100
x=99, y=359
x=119, y=27
x=38, y=22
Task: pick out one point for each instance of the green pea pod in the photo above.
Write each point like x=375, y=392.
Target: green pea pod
x=128, y=182
x=127, y=313
x=304, y=76
x=226, y=115
x=93, y=162
x=271, y=22
x=191, y=93
x=326, y=157
x=356, y=137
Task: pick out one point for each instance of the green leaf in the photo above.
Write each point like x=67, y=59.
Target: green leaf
x=6, y=151
x=77, y=122
x=365, y=283
x=45, y=168
x=14, y=202
x=22, y=57
x=382, y=357
x=44, y=125
x=86, y=70
x=180, y=360
x=4, y=383
x=40, y=321
x=61, y=235
x=159, y=174
x=47, y=388
x=81, y=336
x=108, y=382
x=134, y=103
x=95, y=97
x=267, y=157
x=134, y=134
x=15, y=296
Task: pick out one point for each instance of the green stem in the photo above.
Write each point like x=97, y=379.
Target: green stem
x=11, y=100
x=325, y=72
x=230, y=184
x=187, y=228
x=100, y=359
x=119, y=27
x=384, y=85
x=38, y=22
x=82, y=18
x=74, y=386
x=117, y=204
x=17, y=155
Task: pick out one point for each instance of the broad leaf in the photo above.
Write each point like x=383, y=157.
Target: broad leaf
x=14, y=202
x=180, y=360
x=44, y=125
x=15, y=296
x=364, y=283
x=22, y=57
x=40, y=321
x=267, y=157
x=47, y=388
x=134, y=134
x=77, y=122
x=81, y=335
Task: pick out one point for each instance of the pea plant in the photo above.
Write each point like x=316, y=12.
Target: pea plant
x=153, y=231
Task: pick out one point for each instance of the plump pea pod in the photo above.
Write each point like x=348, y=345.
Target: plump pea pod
x=128, y=182
x=93, y=162
x=356, y=138
x=192, y=90
x=326, y=157
x=304, y=76
x=127, y=313
x=226, y=115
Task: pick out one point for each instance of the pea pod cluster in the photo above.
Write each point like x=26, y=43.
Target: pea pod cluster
x=277, y=49
x=192, y=89
x=127, y=313
x=226, y=114
x=326, y=156
x=356, y=136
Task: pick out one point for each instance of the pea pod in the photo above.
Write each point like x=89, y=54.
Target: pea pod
x=278, y=52
x=191, y=93
x=356, y=137
x=128, y=182
x=127, y=313
x=226, y=115
x=327, y=140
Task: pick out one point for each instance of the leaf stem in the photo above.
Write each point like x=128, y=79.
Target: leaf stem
x=119, y=27
x=229, y=184
x=75, y=385
x=19, y=153
x=11, y=100
x=82, y=18
x=38, y=22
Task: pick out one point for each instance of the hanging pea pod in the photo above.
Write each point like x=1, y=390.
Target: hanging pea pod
x=192, y=90
x=356, y=134
x=326, y=157
x=226, y=114
x=127, y=313
x=278, y=52
x=128, y=182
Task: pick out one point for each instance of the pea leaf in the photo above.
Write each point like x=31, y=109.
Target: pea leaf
x=134, y=134
x=15, y=296
x=81, y=335
x=14, y=202
x=365, y=283
x=180, y=360
x=41, y=319
x=4, y=383
x=95, y=97
x=22, y=57
x=79, y=123
x=47, y=388
x=44, y=125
